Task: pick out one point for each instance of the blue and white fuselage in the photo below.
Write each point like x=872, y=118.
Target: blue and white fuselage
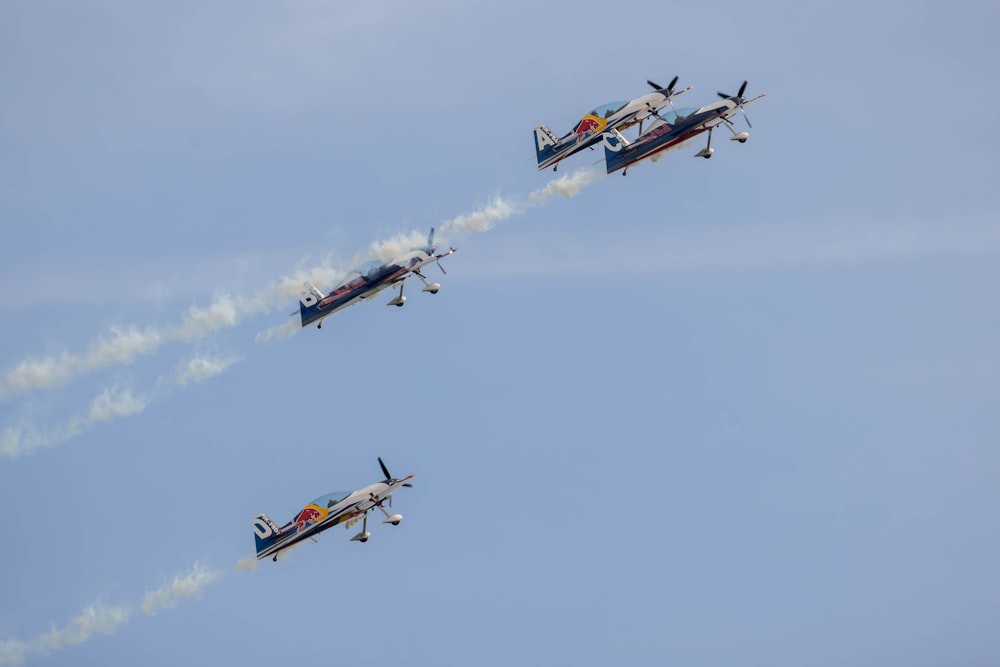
x=672, y=129
x=550, y=150
x=365, y=281
x=323, y=513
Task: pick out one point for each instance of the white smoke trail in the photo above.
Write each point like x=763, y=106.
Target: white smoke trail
x=13, y=652
x=183, y=586
x=568, y=186
x=249, y=563
x=100, y=620
x=112, y=403
x=279, y=332
x=94, y=620
x=122, y=345
x=200, y=369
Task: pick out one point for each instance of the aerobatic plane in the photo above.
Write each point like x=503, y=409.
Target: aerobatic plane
x=339, y=507
x=613, y=115
x=365, y=281
x=676, y=127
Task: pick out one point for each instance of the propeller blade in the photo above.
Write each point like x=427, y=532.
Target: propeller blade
x=655, y=85
x=746, y=118
x=670, y=88
x=384, y=469
x=723, y=95
x=742, y=88
x=408, y=485
x=430, y=239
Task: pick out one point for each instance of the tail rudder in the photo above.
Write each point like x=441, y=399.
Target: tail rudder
x=545, y=141
x=309, y=299
x=614, y=150
x=264, y=532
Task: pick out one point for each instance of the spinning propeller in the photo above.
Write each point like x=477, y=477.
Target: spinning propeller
x=740, y=100
x=668, y=91
x=385, y=471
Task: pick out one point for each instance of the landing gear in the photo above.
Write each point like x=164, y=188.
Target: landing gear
x=555, y=168
x=320, y=325
x=399, y=299
x=737, y=136
x=394, y=519
x=364, y=534
x=625, y=171
x=275, y=559
x=428, y=287
x=707, y=151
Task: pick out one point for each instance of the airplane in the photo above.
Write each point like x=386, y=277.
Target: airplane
x=613, y=115
x=365, y=281
x=676, y=127
x=339, y=507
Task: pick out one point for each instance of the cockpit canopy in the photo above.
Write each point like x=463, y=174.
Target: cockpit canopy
x=330, y=499
x=606, y=110
x=673, y=117
x=365, y=271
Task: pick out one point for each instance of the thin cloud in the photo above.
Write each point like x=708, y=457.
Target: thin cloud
x=765, y=246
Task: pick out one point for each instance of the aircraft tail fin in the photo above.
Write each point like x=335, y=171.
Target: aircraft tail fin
x=614, y=151
x=264, y=532
x=309, y=300
x=545, y=141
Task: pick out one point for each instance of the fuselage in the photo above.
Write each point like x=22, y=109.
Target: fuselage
x=590, y=128
x=360, y=286
x=663, y=135
x=313, y=519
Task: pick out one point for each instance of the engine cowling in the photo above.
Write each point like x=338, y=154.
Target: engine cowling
x=394, y=519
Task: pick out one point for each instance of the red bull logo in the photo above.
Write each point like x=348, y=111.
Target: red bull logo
x=309, y=515
x=589, y=125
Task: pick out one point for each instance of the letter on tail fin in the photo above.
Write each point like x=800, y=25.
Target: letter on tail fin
x=309, y=299
x=614, y=150
x=264, y=532
x=545, y=141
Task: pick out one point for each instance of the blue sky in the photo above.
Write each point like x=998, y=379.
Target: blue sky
x=741, y=410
